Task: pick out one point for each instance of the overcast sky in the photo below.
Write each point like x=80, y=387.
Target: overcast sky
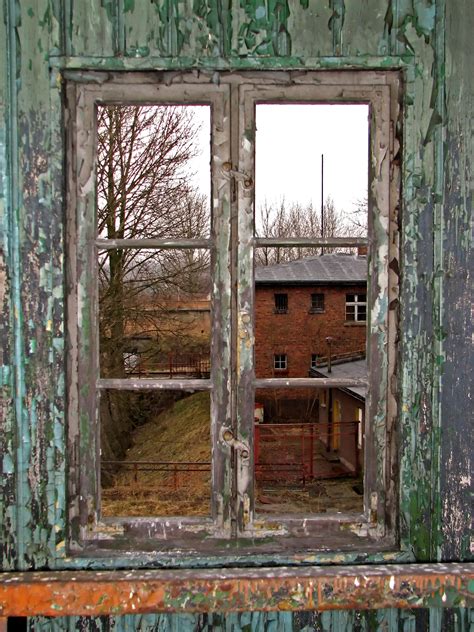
x=289, y=142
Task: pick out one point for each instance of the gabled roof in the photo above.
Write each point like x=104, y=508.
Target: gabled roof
x=323, y=269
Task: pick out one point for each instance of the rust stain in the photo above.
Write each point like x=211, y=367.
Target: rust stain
x=125, y=592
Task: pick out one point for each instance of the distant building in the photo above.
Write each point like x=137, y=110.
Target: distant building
x=302, y=304
x=342, y=413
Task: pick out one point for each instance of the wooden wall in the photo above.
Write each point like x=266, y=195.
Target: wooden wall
x=430, y=40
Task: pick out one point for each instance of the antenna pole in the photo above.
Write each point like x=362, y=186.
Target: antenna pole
x=322, y=199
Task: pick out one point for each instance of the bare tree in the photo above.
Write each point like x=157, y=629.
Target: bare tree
x=358, y=217
x=143, y=192
x=295, y=220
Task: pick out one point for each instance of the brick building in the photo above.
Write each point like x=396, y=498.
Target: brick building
x=302, y=304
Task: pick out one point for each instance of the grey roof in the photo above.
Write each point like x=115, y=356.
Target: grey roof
x=357, y=369
x=330, y=268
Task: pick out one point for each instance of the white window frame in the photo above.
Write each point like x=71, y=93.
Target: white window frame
x=357, y=303
x=280, y=362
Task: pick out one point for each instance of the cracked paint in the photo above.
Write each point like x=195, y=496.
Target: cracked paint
x=431, y=359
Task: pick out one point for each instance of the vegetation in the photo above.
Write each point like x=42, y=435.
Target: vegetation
x=295, y=220
x=180, y=433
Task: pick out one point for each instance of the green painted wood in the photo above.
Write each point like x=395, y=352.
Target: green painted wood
x=8, y=496
x=371, y=39
x=92, y=28
x=386, y=620
x=420, y=415
x=432, y=39
x=37, y=280
x=312, y=26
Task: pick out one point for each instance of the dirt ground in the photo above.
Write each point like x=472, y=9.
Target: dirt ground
x=182, y=434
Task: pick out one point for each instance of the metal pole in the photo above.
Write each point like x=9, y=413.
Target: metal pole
x=322, y=199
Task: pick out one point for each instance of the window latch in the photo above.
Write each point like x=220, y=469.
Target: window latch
x=242, y=177
x=231, y=440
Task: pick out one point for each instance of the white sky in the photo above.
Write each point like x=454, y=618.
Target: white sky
x=290, y=139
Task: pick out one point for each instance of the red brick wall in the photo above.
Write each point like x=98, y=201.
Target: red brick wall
x=300, y=333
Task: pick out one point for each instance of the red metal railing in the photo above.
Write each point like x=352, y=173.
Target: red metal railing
x=294, y=452
x=170, y=467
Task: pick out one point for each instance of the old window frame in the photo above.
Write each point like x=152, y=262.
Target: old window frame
x=233, y=165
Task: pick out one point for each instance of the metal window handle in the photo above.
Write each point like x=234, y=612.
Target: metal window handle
x=229, y=438
x=242, y=177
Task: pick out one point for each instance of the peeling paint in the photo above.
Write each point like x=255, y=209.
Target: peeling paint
x=430, y=42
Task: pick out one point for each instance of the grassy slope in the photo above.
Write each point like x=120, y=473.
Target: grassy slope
x=181, y=433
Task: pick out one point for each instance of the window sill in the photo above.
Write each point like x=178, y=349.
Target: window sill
x=280, y=311
x=92, y=593
x=316, y=311
x=182, y=542
x=355, y=323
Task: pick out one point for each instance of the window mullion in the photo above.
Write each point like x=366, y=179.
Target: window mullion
x=244, y=460
x=221, y=339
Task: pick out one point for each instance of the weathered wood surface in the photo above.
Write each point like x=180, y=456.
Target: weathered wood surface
x=323, y=588
x=456, y=310
x=431, y=40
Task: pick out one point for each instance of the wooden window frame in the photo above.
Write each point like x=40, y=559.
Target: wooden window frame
x=233, y=242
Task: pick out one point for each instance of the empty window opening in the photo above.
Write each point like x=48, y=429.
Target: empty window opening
x=154, y=315
x=309, y=460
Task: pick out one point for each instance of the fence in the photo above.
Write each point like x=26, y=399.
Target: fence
x=295, y=452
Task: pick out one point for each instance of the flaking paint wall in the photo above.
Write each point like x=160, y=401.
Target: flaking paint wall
x=431, y=41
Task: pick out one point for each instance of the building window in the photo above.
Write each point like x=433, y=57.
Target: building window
x=280, y=362
x=356, y=307
x=317, y=303
x=173, y=261
x=281, y=303
x=314, y=360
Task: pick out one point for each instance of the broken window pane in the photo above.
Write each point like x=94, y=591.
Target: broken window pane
x=154, y=313
x=311, y=170
x=155, y=453
x=153, y=171
x=308, y=458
